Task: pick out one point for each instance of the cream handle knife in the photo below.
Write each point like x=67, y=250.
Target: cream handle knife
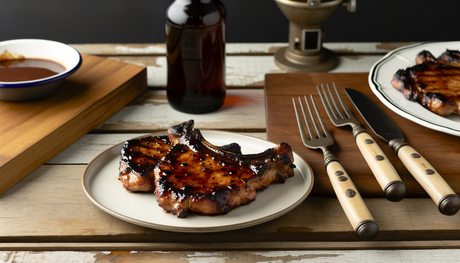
x=442, y=194
x=352, y=203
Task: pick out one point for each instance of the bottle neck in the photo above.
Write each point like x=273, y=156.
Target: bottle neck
x=196, y=12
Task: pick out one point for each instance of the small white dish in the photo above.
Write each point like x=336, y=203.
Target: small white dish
x=382, y=72
x=101, y=185
x=61, y=53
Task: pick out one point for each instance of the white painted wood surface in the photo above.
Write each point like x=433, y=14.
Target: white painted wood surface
x=233, y=49
x=244, y=71
x=244, y=110
x=247, y=64
x=375, y=256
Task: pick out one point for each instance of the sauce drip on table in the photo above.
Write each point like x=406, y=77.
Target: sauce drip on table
x=24, y=69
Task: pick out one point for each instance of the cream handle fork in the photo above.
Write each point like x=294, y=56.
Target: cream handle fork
x=388, y=178
x=351, y=201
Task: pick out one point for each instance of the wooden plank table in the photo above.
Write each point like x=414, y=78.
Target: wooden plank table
x=46, y=217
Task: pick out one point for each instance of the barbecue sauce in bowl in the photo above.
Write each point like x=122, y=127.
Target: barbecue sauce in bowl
x=25, y=69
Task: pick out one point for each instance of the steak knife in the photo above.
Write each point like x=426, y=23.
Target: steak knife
x=442, y=194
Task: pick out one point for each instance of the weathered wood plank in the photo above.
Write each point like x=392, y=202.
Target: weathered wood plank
x=234, y=48
x=289, y=247
x=49, y=205
x=242, y=71
x=249, y=65
x=243, y=110
x=377, y=256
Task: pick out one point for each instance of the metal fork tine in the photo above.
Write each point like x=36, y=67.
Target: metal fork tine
x=307, y=122
x=342, y=102
x=310, y=130
x=299, y=122
x=334, y=101
x=313, y=120
x=323, y=125
x=325, y=101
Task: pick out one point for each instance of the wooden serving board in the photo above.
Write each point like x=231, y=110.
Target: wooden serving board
x=33, y=132
x=440, y=149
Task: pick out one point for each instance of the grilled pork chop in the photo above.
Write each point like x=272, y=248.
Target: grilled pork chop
x=434, y=83
x=197, y=176
x=140, y=156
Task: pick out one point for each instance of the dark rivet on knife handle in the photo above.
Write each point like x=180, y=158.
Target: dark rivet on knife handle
x=429, y=171
x=368, y=141
x=379, y=158
x=350, y=193
x=339, y=173
x=415, y=155
x=342, y=178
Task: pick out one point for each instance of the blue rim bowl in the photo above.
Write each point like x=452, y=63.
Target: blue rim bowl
x=61, y=53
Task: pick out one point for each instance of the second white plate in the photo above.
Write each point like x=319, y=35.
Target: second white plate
x=101, y=185
x=382, y=73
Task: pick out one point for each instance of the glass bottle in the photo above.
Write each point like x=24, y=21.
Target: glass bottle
x=195, y=52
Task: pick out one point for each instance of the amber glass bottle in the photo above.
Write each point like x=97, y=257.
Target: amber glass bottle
x=195, y=43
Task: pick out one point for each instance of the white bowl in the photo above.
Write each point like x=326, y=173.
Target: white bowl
x=64, y=54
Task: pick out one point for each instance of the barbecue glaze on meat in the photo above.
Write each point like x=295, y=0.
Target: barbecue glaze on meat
x=197, y=176
x=138, y=159
x=140, y=156
x=433, y=82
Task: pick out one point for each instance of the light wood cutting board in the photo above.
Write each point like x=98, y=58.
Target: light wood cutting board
x=440, y=149
x=33, y=132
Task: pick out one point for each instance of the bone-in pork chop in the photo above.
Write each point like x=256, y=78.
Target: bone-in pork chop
x=197, y=176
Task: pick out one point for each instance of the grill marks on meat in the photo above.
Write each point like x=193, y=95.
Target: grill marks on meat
x=197, y=176
x=433, y=82
x=140, y=156
x=138, y=159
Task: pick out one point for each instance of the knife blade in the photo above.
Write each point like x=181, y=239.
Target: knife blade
x=442, y=194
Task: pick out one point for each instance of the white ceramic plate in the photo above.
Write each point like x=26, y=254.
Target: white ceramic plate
x=101, y=185
x=382, y=73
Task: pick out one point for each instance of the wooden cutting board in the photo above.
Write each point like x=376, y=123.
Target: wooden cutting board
x=33, y=132
x=440, y=149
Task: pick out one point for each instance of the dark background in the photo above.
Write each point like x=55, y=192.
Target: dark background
x=142, y=21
